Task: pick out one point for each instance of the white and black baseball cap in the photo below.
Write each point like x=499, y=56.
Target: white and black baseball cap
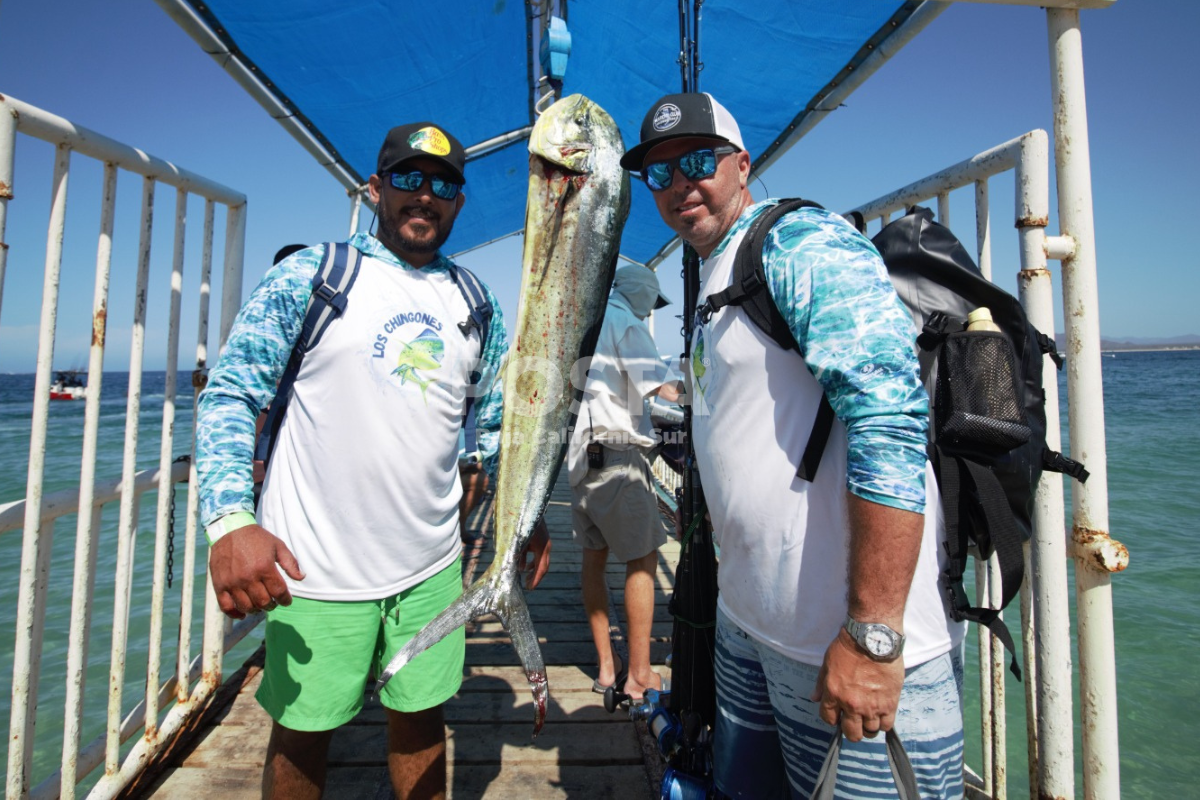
x=678, y=115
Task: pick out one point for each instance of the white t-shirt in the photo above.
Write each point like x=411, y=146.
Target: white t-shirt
x=363, y=484
x=784, y=542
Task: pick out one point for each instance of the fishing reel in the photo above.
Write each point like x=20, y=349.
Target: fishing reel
x=687, y=754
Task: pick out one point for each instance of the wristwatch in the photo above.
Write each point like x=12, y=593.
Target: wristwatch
x=877, y=640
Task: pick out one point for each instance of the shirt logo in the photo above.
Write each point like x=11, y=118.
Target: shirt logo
x=430, y=140
x=667, y=117
x=423, y=354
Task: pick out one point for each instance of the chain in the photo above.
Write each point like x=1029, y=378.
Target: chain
x=171, y=530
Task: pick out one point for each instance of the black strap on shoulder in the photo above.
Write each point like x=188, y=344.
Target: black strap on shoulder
x=479, y=319
x=331, y=284
x=748, y=290
x=992, y=528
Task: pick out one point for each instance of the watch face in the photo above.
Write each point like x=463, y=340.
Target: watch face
x=877, y=642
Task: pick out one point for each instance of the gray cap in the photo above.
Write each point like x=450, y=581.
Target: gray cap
x=639, y=286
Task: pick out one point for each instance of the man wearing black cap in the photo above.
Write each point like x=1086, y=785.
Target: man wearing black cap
x=829, y=611
x=614, y=505
x=360, y=507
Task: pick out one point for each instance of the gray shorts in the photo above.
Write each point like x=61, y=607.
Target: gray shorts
x=615, y=507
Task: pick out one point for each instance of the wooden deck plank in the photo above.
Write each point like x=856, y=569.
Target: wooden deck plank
x=583, y=751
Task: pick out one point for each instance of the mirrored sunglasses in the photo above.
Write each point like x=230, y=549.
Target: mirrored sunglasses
x=412, y=181
x=694, y=165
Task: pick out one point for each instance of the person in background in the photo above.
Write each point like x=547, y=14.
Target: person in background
x=359, y=510
x=614, y=505
x=829, y=610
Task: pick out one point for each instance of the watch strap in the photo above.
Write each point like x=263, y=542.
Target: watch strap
x=858, y=632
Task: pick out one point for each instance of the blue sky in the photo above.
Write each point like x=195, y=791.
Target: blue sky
x=978, y=76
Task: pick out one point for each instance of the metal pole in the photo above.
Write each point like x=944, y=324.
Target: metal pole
x=1085, y=397
x=193, y=499
x=355, y=207
x=87, y=530
x=166, y=488
x=983, y=228
x=35, y=545
x=1055, y=750
x=8, y=144
x=127, y=526
x=231, y=278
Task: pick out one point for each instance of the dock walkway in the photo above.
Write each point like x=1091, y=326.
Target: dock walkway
x=582, y=752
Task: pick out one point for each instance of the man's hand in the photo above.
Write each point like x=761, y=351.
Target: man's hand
x=244, y=575
x=860, y=692
x=538, y=547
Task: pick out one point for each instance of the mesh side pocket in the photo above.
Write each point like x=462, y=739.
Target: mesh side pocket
x=977, y=403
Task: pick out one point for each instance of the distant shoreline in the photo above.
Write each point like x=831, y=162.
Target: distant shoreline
x=1150, y=348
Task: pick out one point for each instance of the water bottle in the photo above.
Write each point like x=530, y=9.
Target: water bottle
x=981, y=320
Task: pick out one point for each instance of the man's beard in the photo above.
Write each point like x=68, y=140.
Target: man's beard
x=390, y=229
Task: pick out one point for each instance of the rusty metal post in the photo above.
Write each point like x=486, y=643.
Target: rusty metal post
x=1055, y=746
x=87, y=531
x=166, y=487
x=127, y=526
x=35, y=546
x=1096, y=554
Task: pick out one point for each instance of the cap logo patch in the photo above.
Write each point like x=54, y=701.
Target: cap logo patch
x=430, y=140
x=667, y=117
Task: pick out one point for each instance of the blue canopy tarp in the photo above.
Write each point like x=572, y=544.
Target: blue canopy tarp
x=350, y=70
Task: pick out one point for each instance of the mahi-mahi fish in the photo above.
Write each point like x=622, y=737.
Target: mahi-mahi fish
x=577, y=204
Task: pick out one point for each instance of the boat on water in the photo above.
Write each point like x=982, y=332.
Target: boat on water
x=67, y=385
x=842, y=42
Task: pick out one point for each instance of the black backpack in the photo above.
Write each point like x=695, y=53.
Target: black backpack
x=987, y=433
x=331, y=286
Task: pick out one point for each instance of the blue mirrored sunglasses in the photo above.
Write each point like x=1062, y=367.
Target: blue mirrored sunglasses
x=694, y=165
x=412, y=181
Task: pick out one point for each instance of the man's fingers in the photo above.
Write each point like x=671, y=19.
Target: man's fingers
x=259, y=596
x=242, y=602
x=852, y=727
x=278, y=588
x=288, y=561
x=228, y=608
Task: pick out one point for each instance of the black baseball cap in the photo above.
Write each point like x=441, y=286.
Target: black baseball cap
x=421, y=140
x=678, y=115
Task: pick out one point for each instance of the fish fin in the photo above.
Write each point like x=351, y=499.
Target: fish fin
x=477, y=600
x=514, y=614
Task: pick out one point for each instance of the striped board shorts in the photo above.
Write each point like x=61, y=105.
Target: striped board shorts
x=770, y=742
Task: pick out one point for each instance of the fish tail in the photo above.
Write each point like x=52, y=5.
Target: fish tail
x=475, y=601
x=514, y=614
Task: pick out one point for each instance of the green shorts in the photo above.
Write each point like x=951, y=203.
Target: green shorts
x=321, y=653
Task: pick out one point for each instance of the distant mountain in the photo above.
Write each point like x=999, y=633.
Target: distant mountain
x=1187, y=341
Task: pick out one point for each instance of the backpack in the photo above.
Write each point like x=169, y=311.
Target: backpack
x=331, y=285
x=987, y=432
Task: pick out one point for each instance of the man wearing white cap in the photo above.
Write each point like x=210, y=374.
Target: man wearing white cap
x=829, y=610
x=615, y=508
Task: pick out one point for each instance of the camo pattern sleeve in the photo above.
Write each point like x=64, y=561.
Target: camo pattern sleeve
x=832, y=287
x=243, y=383
x=490, y=403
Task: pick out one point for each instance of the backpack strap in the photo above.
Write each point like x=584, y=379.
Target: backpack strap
x=966, y=486
x=749, y=291
x=479, y=319
x=331, y=284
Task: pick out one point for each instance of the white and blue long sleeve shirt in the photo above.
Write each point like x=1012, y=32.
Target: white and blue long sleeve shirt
x=363, y=483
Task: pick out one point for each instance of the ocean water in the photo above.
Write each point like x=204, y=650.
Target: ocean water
x=64, y=448
x=1153, y=442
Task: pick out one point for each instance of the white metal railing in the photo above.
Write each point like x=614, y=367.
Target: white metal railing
x=37, y=513
x=1044, y=607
